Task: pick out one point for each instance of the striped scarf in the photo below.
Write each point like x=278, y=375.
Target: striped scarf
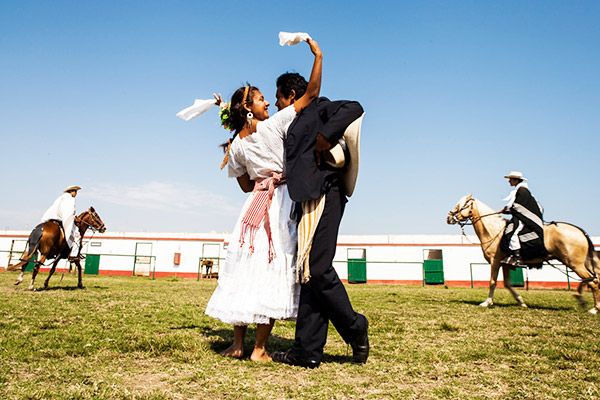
x=311, y=215
x=259, y=211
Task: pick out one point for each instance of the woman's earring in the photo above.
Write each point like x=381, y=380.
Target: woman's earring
x=249, y=117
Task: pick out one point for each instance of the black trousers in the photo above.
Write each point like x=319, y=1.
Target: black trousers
x=324, y=297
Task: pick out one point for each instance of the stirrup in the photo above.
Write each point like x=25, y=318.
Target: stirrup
x=513, y=262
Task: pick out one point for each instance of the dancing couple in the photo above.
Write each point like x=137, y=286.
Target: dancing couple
x=295, y=197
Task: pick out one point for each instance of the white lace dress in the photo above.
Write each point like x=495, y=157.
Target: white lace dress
x=250, y=289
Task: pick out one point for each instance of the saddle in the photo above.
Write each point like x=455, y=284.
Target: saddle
x=36, y=235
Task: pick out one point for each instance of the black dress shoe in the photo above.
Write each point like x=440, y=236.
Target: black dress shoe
x=360, y=347
x=290, y=358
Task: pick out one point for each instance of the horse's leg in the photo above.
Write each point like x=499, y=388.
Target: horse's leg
x=20, y=278
x=79, y=270
x=51, y=273
x=579, y=295
x=508, y=285
x=493, y=282
x=22, y=266
x=36, y=269
x=596, y=293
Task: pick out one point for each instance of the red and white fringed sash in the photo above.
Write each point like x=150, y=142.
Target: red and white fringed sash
x=311, y=215
x=259, y=211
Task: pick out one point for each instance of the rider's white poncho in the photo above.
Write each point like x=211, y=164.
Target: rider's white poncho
x=63, y=209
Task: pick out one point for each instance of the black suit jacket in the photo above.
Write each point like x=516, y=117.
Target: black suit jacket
x=305, y=179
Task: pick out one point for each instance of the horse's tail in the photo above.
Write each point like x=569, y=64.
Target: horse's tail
x=24, y=260
x=591, y=254
x=33, y=244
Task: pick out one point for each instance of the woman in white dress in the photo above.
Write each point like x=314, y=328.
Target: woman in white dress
x=257, y=283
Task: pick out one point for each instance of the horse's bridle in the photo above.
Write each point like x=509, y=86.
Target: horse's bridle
x=93, y=224
x=453, y=214
x=470, y=220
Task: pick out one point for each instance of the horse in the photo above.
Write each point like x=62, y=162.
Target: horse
x=564, y=242
x=208, y=264
x=51, y=244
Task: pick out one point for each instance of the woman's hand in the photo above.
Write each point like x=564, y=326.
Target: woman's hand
x=314, y=47
x=218, y=99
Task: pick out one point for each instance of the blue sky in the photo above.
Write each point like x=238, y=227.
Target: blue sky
x=456, y=95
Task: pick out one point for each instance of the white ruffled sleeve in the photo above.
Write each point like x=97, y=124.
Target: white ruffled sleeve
x=236, y=166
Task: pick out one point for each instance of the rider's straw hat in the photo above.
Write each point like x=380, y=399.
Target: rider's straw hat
x=515, y=174
x=352, y=153
x=72, y=187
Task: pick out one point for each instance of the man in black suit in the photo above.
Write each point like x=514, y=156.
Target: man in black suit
x=323, y=298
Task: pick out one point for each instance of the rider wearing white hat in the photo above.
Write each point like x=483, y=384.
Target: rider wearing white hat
x=63, y=210
x=524, y=234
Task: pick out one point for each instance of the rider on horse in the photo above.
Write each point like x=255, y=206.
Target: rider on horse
x=524, y=234
x=63, y=212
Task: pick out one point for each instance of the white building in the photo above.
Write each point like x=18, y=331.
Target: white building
x=451, y=260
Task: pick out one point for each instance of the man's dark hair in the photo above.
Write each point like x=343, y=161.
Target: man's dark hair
x=292, y=81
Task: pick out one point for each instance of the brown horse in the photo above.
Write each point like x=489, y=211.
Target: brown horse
x=208, y=263
x=564, y=242
x=51, y=245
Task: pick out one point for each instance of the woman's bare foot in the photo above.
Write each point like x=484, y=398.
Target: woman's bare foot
x=260, y=354
x=233, y=351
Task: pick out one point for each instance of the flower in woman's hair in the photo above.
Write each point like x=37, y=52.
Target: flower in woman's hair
x=224, y=114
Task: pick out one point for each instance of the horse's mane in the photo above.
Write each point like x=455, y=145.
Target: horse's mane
x=494, y=219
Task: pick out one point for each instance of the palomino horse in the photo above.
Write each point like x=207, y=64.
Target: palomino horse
x=564, y=242
x=51, y=244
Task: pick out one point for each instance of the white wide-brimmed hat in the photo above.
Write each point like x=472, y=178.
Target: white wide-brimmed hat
x=72, y=187
x=352, y=141
x=516, y=175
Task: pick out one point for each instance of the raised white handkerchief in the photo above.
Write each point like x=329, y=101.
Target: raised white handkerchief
x=291, y=39
x=199, y=107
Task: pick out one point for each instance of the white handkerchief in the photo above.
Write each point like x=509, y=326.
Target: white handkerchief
x=292, y=38
x=199, y=107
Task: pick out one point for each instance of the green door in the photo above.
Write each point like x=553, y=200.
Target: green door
x=516, y=277
x=357, y=265
x=31, y=264
x=92, y=264
x=433, y=267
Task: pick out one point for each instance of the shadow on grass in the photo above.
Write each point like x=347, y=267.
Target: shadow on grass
x=69, y=288
x=53, y=288
x=337, y=359
x=513, y=305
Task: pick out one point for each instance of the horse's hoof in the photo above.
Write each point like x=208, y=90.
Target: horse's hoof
x=523, y=305
x=593, y=310
x=486, y=303
x=17, y=282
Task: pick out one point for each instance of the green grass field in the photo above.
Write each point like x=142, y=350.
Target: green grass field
x=135, y=338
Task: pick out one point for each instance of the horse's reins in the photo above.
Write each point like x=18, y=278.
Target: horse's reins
x=577, y=279
x=472, y=220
